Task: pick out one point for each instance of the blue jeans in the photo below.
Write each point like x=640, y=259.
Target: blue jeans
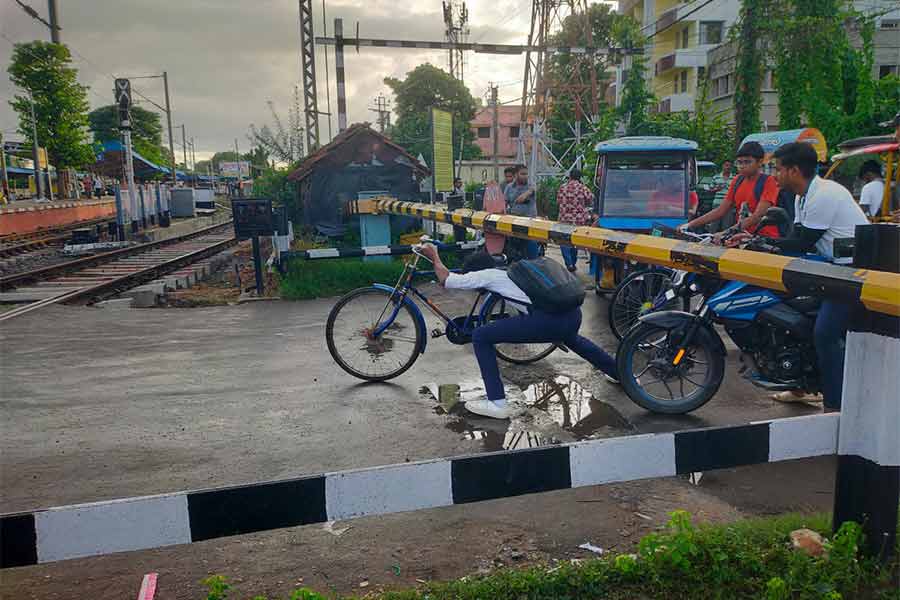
x=570, y=255
x=830, y=336
x=536, y=327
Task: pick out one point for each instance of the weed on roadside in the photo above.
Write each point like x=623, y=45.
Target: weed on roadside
x=743, y=560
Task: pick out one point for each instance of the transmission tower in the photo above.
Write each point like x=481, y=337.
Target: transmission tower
x=539, y=90
x=308, y=74
x=456, y=21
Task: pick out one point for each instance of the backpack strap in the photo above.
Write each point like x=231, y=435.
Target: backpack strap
x=760, y=184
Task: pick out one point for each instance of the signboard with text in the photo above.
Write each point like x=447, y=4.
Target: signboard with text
x=442, y=149
x=230, y=169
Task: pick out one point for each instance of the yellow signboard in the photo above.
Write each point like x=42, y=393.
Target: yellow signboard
x=442, y=149
x=42, y=158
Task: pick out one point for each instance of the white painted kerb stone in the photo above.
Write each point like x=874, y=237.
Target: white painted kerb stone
x=622, y=459
x=117, y=526
x=388, y=490
x=799, y=437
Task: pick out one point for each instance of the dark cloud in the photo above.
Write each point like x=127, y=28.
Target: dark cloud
x=227, y=58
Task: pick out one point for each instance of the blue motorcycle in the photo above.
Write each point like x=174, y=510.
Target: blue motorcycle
x=673, y=361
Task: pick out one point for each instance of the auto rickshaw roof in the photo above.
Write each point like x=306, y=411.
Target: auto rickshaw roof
x=869, y=140
x=873, y=149
x=647, y=143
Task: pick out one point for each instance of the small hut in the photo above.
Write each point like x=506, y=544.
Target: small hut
x=358, y=163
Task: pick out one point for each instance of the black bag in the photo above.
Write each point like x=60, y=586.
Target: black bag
x=549, y=285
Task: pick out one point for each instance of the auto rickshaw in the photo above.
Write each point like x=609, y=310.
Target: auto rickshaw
x=887, y=148
x=641, y=181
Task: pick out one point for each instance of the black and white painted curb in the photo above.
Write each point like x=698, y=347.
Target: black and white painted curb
x=181, y=518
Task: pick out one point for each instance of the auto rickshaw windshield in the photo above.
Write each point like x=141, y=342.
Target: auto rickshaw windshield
x=644, y=186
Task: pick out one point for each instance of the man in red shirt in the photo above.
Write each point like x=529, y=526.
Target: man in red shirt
x=573, y=199
x=746, y=189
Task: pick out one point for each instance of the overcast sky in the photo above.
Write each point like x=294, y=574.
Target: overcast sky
x=227, y=58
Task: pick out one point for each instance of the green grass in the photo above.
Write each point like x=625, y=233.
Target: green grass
x=321, y=278
x=747, y=559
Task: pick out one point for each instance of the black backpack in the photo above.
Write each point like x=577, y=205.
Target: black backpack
x=549, y=285
x=785, y=199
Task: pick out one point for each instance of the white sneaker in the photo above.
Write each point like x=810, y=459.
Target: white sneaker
x=486, y=408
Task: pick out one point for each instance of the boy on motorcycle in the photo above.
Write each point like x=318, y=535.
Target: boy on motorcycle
x=751, y=187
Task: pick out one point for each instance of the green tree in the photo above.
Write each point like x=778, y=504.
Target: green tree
x=424, y=88
x=823, y=80
x=60, y=102
x=636, y=96
x=146, y=131
x=715, y=137
x=750, y=58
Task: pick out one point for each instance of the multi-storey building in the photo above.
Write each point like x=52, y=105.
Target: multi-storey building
x=681, y=34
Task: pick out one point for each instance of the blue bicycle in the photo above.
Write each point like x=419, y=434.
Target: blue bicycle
x=376, y=333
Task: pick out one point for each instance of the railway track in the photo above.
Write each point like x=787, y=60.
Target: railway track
x=20, y=243
x=94, y=278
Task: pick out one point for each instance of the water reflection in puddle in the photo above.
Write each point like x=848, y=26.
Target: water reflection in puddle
x=559, y=410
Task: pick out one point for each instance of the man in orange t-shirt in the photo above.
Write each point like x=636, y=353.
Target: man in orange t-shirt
x=749, y=163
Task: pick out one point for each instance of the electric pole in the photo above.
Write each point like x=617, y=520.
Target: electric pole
x=384, y=115
x=169, y=119
x=53, y=13
x=495, y=131
x=184, y=148
x=4, y=191
x=193, y=157
x=456, y=21
x=36, y=152
x=240, y=177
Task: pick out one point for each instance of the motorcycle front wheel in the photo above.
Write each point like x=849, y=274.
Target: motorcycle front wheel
x=645, y=361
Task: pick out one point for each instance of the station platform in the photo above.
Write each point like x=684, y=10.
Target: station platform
x=25, y=216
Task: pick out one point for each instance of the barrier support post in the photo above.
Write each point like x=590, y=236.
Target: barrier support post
x=867, y=486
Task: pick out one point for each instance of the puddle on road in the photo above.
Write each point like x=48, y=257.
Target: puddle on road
x=559, y=410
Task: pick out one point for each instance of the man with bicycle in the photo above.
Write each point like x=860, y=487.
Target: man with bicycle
x=481, y=273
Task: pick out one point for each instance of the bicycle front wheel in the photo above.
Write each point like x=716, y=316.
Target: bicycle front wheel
x=352, y=340
x=519, y=354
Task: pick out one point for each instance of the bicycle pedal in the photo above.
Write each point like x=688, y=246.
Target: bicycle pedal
x=437, y=333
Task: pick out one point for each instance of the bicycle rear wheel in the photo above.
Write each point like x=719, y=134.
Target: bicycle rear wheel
x=519, y=354
x=349, y=333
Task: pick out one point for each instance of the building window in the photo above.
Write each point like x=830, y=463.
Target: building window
x=484, y=133
x=885, y=70
x=685, y=41
x=684, y=80
x=768, y=82
x=711, y=32
x=514, y=133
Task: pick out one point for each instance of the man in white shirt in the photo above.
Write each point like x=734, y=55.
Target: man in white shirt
x=534, y=327
x=825, y=211
x=873, y=191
